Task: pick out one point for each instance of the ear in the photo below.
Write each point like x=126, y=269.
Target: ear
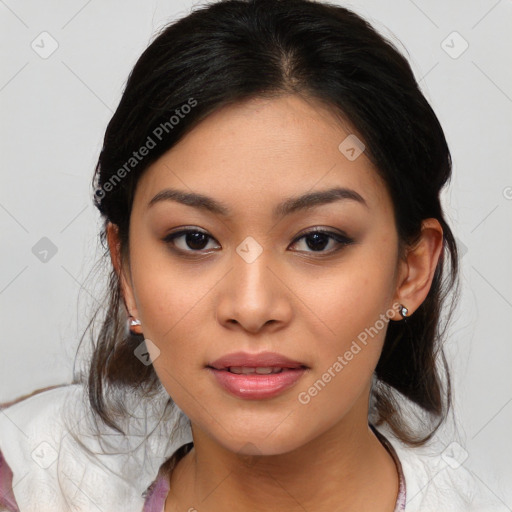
x=123, y=273
x=418, y=266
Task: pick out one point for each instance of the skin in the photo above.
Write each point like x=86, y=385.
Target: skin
x=275, y=454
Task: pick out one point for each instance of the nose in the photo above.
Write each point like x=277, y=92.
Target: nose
x=253, y=295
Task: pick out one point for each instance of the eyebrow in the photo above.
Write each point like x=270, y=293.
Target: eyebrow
x=287, y=207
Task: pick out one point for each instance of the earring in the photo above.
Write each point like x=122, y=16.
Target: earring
x=135, y=325
x=403, y=311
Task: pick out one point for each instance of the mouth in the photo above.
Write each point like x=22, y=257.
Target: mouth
x=256, y=376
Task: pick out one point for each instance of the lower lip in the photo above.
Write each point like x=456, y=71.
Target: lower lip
x=257, y=386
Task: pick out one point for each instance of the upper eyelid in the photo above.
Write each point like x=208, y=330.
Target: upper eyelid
x=307, y=231
x=322, y=230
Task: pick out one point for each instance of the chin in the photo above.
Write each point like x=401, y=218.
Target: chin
x=257, y=441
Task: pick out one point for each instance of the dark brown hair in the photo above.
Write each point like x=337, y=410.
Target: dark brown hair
x=233, y=50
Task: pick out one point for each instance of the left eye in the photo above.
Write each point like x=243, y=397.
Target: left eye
x=317, y=240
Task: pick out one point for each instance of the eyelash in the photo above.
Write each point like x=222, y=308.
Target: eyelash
x=341, y=240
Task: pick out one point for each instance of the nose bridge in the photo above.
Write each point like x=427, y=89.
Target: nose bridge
x=250, y=267
x=252, y=296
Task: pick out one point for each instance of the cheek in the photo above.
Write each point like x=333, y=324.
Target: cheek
x=354, y=308
x=176, y=324
x=171, y=301
x=352, y=297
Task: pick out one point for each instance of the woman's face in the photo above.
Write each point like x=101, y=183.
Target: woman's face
x=251, y=279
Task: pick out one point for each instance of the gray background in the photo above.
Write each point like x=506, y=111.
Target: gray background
x=54, y=112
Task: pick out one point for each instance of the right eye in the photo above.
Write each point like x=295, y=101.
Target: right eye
x=188, y=240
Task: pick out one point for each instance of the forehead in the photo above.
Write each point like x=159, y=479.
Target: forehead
x=270, y=148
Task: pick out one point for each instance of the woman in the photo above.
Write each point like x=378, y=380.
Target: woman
x=270, y=188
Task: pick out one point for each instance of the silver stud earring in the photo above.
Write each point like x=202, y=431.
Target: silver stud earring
x=403, y=311
x=135, y=326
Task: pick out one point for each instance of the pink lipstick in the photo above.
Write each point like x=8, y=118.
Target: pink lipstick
x=256, y=376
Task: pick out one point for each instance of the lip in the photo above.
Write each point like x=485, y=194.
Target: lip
x=263, y=359
x=256, y=386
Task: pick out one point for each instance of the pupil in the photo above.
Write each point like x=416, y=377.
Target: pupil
x=319, y=241
x=196, y=240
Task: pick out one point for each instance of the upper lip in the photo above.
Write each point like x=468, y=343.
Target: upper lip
x=263, y=359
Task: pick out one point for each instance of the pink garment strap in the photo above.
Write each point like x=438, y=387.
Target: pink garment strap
x=7, y=500
x=157, y=493
x=402, y=494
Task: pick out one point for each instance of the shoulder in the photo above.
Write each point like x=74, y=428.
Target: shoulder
x=59, y=458
x=29, y=431
x=436, y=478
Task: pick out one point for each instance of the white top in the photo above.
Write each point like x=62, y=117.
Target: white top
x=53, y=473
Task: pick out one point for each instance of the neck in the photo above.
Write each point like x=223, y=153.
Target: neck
x=344, y=469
